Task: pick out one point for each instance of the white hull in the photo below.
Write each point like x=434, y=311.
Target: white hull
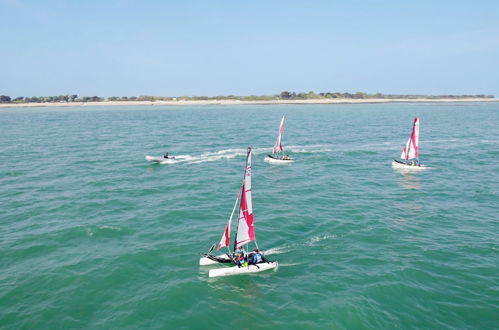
x=160, y=159
x=235, y=270
x=278, y=161
x=408, y=167
x=207, y=261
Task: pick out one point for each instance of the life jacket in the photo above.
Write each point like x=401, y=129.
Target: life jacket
x=241, y=262
x=255, y=258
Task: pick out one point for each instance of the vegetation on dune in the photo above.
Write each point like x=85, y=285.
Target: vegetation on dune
x=285, y=95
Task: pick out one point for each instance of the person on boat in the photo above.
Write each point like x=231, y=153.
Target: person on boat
x=165, y=156
x=241, y=260
x=239, y=250
x=256, y=257
x=413, y=162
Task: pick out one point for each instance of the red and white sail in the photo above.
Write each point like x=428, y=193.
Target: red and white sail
x=278, y=146
x=411, y=149
x=245, y=226
x=225, y=241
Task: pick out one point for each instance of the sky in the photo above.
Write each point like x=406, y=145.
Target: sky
x=241, y=47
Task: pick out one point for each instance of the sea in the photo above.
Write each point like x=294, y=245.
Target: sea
x=93, y=236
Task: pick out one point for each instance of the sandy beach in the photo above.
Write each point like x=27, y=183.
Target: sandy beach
x=236, y=102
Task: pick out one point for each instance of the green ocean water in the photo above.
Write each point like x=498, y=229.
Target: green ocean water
x=94, y=236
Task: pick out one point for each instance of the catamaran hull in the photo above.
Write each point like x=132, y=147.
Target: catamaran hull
x=396, y=164
x=160, y=159
x=228, y=271
x=278, y=161
x=204, y=261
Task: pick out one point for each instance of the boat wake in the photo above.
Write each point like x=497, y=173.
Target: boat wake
x=299, y=245
x=213, y=156
x=275, y=251
x=310, y=149
x=206, y=157
x=317, y=239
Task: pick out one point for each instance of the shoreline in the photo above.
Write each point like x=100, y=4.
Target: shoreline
x=239, y=102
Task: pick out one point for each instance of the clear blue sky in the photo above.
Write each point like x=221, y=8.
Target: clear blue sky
x=262, y=47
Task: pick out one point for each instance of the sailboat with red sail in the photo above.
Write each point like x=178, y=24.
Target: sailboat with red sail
x=278, y=155
x=245, y=234
x=410, y=153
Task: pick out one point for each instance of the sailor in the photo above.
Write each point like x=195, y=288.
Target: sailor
x=241, y=261
x=166, y=155
x=238, y=251
x=256, y=257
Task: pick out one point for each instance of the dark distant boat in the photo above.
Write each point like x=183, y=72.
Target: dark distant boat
x=278, y=155
x=410, y=153
x=161, y=159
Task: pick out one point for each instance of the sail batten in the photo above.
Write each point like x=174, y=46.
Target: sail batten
x=411, y=149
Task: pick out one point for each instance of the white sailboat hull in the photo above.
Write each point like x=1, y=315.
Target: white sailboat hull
x=235, y=270
x=278, y=161
x=207, y=261
x=160, y=159
x=396, y=164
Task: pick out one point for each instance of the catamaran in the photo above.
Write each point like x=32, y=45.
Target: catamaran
x=410, y=153
x=278, y=155
x=245, y=234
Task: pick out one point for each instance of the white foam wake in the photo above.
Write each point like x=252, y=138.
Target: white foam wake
x=212, y=156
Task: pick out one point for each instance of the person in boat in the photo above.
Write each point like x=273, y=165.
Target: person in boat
x=256, y=257
x=241, y=260
x=165, y=156
x=284, y=157
x=414, y=162
x=238, y=251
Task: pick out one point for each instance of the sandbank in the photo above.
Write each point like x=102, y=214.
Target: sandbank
x=237, y=102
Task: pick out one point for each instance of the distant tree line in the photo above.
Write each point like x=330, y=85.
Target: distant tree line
x=285, y=95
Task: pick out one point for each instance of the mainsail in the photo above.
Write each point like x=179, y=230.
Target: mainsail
x=411, y=149
x=278, y=146
x=245, y=227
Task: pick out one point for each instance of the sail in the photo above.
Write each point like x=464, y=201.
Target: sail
x=245, y=227
x=278, y=146
x=411, y=149
x=225, y=241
